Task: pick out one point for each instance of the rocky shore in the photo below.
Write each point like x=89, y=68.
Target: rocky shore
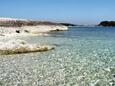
x=21, y=46
x=10, y=28
x=17, y=27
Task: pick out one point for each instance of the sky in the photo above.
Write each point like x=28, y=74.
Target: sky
x=71, y=11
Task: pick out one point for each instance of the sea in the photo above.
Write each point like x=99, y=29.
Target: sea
x=83, y=56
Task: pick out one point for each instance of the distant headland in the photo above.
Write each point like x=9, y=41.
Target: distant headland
x=107, y=23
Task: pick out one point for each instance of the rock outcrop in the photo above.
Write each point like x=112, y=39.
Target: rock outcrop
x=20, y=46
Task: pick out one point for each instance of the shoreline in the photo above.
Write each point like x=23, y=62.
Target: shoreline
x=15, y=27
x=16, y=47
x=30, y=30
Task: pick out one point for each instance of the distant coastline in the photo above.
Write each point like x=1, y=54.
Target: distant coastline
x=107, y=23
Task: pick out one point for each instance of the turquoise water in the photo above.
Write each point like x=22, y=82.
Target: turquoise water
x=82, y=57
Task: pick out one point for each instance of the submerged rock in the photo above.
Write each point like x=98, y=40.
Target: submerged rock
x=20, y=46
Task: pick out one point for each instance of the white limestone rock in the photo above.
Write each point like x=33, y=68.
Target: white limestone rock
x=20, y=46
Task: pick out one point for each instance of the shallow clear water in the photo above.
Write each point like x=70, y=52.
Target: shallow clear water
x=82, y=57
